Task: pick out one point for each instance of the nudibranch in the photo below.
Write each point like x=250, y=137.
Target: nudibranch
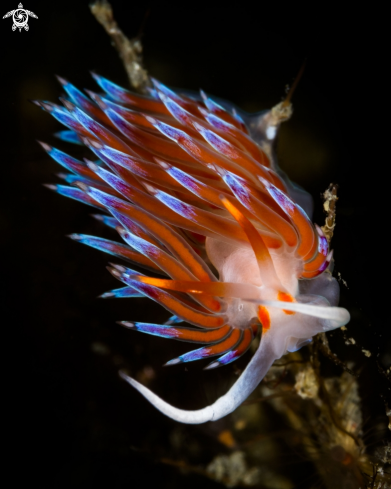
x=192, y=186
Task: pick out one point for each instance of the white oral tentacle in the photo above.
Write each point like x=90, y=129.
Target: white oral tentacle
x=338, y=316
x=242, y=388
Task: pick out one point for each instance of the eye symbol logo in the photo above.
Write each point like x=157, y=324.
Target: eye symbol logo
x=20, y=16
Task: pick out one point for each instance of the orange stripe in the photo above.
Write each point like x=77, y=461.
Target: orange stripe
x=257, y=243
x=270, y=219
x=184, y=312
x=155, y=144
x=225, y=345
x=136, y=257
x=245, y=342
x=205, y=191
x=143, y=103
x=315, y=263
x=238, y=135
x=196, y=336
x=176, y=271
x=219, y=289
x=174, y=242
x=153, y=206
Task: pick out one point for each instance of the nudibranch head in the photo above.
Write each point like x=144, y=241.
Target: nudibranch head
x=193, y=189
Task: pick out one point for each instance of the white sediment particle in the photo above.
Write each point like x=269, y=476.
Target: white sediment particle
x=306, y=384
x=271, y=132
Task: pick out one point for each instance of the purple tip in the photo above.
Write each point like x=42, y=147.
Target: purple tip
x=175, y=361
x=62, y=80
x=45, y=146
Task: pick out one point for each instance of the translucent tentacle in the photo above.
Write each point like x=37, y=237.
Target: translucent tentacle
x=243, y=387
x=218, y=110
x=219, y=289
x=336, y=316
x=164, y=233
x=173, y=304
x=235, y=353
x=261, y=211
x=213, y=222
x=124, y=96
x=137, y=166
x=320, y=257
x=75, y=193
x=229, y=342
x=202, y=152
x=82, y=101
x=98, y=130
x=265, y=263
x=109, y=221
x=308, y=244
x=222, y=146
x=236, y=133
x=144, y=139
x=167, y=264
x=68, y=136
x=189, y=121
x=173, y=320
x=146, y=203
x=184, y=102
x=180, y=333
x=321, y=269
x=63, y=116
x=122, y=293
x=115, y=249
x=205, y=191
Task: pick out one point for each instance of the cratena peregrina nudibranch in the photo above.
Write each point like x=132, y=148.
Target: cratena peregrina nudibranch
x=194, y=191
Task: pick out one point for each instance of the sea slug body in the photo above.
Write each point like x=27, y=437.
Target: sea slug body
x=192, y=186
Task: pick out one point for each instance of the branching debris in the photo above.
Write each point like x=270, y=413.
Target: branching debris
x=130, y=50
x=329, y=206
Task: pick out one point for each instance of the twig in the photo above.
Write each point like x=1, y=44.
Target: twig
x=329, y=206
x=323, y=346
x=324, y=395
x=266, y=398
x=130, y=50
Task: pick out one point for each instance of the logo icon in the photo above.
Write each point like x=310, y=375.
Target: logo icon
x=20, y=16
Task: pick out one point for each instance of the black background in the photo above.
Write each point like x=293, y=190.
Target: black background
x=73, y=422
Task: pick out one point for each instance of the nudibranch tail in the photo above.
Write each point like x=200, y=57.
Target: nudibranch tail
x=193, y=189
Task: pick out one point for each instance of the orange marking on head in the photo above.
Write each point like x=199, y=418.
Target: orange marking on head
x=264, y=317
x=283, y=296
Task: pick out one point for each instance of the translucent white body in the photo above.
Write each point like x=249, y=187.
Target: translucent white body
x=315, y=313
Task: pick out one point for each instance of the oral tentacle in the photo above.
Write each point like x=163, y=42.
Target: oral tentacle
x=242, y=388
